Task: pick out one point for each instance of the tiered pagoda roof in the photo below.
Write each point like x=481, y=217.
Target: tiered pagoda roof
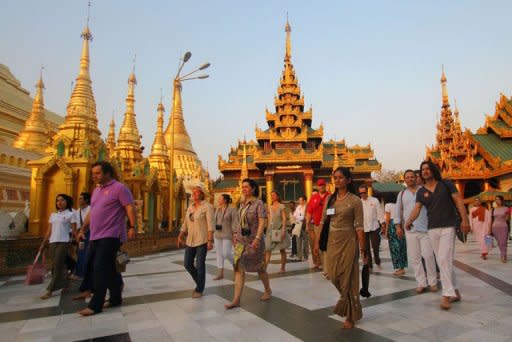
x=290, y=137
x=466, y=155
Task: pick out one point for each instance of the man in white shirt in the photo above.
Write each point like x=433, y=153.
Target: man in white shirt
x=418, y=242
x=373, y=215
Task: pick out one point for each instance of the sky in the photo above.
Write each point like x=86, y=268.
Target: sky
x=370, y=69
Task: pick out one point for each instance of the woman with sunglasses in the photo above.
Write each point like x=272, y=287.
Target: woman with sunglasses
x=250, y=244
x=199, y=228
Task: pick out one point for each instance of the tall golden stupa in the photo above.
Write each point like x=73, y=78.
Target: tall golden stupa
x=65, y=163
x=290, y=155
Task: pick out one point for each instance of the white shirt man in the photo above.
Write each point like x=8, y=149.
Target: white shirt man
x=373, y=215
x=418, y=242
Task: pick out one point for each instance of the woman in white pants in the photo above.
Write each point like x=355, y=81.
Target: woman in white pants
x=226, y=220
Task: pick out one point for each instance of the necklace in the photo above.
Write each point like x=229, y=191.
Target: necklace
x=338, y=198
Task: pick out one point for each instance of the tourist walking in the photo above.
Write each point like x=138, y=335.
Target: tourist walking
x=299, y=230
x=480, y=221
x=80, y=214
x=442, y=200
x=418, y=242
x=250, y=243
x=226, y=222
x=313, y=216
x=500, y=226
x=277, y=237
x=397, y=244
x=61, y=224
x=373, y=216
x=291, y=223
x=198, y=226
x=344, y=213
x=111, y=203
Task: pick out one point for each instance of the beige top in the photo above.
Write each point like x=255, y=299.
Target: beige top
x=198, y=222
x=228, y=219
x=348, y=213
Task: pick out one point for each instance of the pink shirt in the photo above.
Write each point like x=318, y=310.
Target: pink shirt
x=107, y=213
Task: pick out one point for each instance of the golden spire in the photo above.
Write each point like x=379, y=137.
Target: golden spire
x=111, y=138
x=34, y=136
x=182, y=140
x=159, y=147
x=244, y=172
x=80, y=129
x=288, y=30
x=159, y=157
x=128, y=141
x=444, y=88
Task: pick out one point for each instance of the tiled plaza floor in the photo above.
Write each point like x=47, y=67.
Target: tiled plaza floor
x=157, y=306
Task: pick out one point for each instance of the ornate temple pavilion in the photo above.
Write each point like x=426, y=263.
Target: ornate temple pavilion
x=480, y=163
x=290, y=155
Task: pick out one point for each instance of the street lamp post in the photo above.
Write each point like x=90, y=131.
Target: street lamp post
x=177, y=88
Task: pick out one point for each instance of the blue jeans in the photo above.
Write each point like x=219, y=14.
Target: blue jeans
x=197, y=271
x=81, y=257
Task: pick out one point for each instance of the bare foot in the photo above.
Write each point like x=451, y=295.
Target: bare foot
x=445, y=303
x=281, y=271
x=232, y=305
x=82, y=295
x=457, y=297
x=266, y=296
x=196, y=294
x=219, y=277
x=47, y=295
x=87, y=312
x=348, y=324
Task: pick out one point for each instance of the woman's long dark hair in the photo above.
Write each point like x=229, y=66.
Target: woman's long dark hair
x=350, y=186
x=68, y=199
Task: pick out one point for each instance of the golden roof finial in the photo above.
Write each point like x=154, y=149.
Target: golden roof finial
x=111, y=137
x=128, y=142
x=34, y=136
x=159, y=147
x=456, y=110
x=288, y=30
x=444, y=88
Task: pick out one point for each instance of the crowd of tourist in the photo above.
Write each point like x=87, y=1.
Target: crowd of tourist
x=339, y=231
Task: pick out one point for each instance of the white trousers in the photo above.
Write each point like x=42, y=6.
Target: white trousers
x=443, y=242
x=418, y=245
x=224, y=249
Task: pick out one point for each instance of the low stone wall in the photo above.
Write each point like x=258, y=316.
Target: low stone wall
x=145, y=244
x=16, y=255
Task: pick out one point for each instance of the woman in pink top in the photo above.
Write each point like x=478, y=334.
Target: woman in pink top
x=500, y=224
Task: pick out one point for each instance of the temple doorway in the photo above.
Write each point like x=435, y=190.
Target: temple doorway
x=289, y=185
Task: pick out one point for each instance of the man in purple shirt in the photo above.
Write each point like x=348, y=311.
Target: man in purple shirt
x=111, y=202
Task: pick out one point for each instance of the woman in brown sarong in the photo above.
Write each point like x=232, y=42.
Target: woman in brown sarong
x=249, y=248
x=345, y=212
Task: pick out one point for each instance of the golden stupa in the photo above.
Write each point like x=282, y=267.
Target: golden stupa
x=65, y=164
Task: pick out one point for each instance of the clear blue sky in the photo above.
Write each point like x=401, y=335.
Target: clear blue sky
x=370, y=69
